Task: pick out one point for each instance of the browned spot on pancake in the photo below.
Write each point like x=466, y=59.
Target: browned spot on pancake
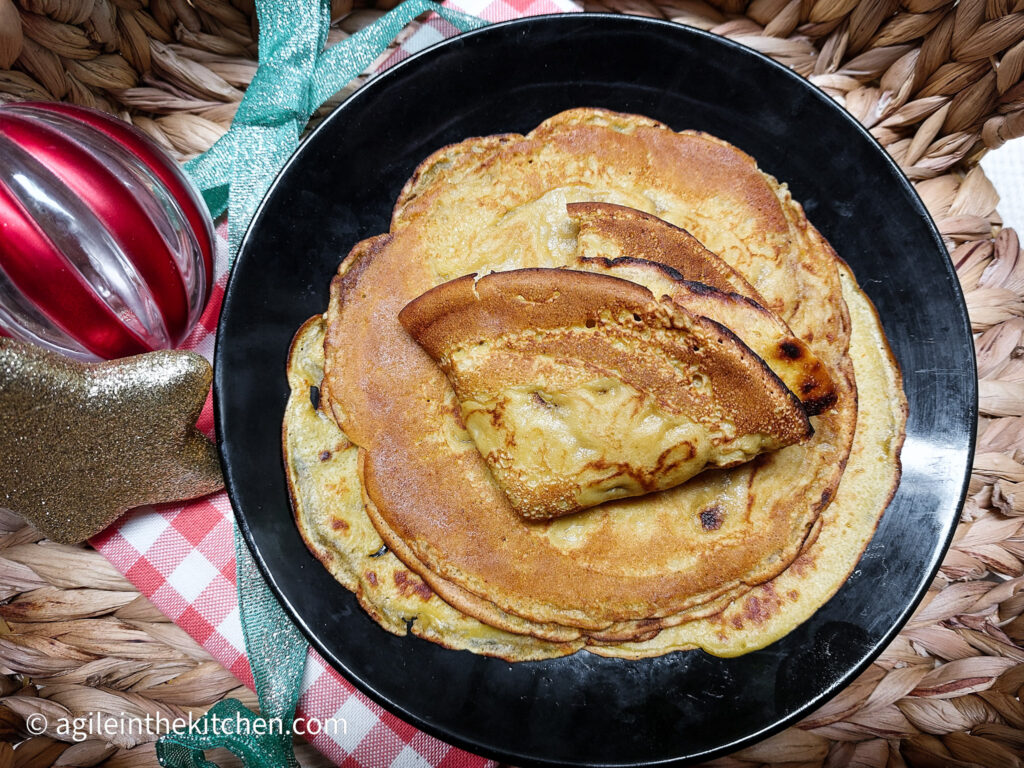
x=818, y=404
x=756, y=610
x=790, y=350
x=325, y=455
x=760, y=609
x=802, y=564
x=338, y=524
x=826, y=497
x=408, y=585
x=646, y=479
x=793, y=594
x=701, y=288
x=372, y=578
x=711, y=518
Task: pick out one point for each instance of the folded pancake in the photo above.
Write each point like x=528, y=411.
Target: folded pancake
x=581, y=388
x=499, y=203
x=614, y=231
x=669, y=261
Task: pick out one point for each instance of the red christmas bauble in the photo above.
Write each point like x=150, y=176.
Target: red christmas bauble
x=106, y=248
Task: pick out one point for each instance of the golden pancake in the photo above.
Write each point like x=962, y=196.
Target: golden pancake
x=627, y=243
x=581, y=388
x=771, y=610
x=330, y=514
x=332, y=519
x=613, y=232
x=498, y=204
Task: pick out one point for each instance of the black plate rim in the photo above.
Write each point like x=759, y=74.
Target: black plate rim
x=396, y=708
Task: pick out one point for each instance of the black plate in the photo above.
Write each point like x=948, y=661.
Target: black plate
x=340, y=187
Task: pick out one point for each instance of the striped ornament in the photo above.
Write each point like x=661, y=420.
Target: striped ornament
x=106, y=248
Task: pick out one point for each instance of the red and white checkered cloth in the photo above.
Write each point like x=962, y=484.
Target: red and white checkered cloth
x=182, y=556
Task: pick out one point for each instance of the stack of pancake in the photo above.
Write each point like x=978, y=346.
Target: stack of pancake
x=601, y=386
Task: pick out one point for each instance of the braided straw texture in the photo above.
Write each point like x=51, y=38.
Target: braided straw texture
x=937, y=82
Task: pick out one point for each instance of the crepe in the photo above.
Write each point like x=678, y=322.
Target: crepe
x=771, y=610
x=330, y=514
x=670, y=261
x=623, y=576
x=612, y=231
x=581, y=388
x=428, y=489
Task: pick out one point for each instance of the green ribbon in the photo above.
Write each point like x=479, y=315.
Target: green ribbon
x=294, y=77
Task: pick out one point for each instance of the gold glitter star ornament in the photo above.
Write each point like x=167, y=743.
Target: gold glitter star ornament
x=81, y=443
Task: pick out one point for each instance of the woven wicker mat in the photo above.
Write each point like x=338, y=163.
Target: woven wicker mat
x=937, y=82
